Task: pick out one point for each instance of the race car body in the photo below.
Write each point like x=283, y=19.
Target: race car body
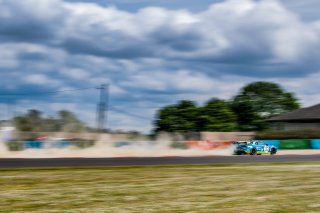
x=253, y=148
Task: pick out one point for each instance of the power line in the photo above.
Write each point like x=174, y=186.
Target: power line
x=102, y=105
x=22, y=96
x=45, y=93
x=128, y=113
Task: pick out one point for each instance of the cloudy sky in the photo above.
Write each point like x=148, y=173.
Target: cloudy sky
x=152, y=53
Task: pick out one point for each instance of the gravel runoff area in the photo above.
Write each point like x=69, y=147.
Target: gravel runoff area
x=227, y=188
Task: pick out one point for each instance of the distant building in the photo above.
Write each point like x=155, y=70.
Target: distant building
x=6, y=130
x=304, y=118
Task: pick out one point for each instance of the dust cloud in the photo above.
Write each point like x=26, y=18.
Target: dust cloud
x=103, y=149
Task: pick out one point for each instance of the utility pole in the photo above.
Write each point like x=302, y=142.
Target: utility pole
x=14, y=107
x=8, y=110
x=102, y=107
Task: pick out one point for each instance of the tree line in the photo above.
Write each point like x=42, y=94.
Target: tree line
x=247, y=111
x=34, y=121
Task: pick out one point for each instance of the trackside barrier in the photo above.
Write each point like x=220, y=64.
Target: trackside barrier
x=45, y=144
x=58, y=144
x=144, y=144
x=280, y=144
x=295, y=144
x=315, y=143
x=202, y=144
x=207, y=145
x=179, y=145
x=122, y=143
x=33, y=144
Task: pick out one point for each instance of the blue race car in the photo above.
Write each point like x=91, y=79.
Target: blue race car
x=253, y=148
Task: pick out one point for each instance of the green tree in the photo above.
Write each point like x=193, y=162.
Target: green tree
x=181, y=117
x=260, y=100
x=22, y=123
x=185, y=116
x=217, y=115
x=33, y=121
x=69, y=122
x=50, y=124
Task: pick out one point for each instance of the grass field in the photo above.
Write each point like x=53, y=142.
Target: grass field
x=293, y=187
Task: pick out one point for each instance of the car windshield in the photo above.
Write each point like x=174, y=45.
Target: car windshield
x=243, y=142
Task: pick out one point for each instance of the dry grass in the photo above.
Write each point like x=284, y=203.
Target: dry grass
x=212, y=188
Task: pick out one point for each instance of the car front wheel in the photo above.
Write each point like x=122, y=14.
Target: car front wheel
x=273, y=151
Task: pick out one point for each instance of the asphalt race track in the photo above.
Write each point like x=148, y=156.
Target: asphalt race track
x=139, y=161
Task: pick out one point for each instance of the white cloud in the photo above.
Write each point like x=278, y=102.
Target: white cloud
x=75, y=73
x=7, y=58
x=176, y=80
x=156, y=56
x=227, y=30
x=40, y=79
x=306, y=88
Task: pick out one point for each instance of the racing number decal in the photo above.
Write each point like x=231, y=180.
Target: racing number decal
x=266, y=148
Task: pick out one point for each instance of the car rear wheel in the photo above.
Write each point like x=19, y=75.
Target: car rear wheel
x=253, y=152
